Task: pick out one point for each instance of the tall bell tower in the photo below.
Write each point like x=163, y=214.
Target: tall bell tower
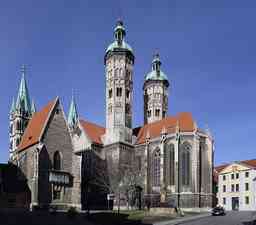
x=155, y=91
x=119, y=61
x=20, y=114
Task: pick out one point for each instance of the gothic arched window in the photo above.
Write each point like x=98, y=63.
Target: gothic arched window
x=57, y=161
x=156, y=167
x=17, y=141
x=185, y=163
x=169, y=164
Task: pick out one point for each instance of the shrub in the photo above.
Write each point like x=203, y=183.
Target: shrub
x=72, y=212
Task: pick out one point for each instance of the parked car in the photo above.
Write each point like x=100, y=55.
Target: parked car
x=218, y=211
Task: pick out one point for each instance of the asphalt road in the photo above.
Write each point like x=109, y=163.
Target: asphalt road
x=231, y=218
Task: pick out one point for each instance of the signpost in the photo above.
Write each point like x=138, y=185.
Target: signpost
x=109, y=198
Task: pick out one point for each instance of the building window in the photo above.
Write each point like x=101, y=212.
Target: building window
x=232, y=176
x=164, y=114
x=246, y=200
x=247, y=174
x=247, y=186
x=237, y=175
x=237, y=187
x=127, y=94
x=57, y=161
x=185, y=163
x=56, y=194
x=119, y=92
x=139, y=162
x=149, y=113
x=224, y=201
x=224, y=188
x=11, y=144
x=232, y=188
x=110, y=93
x=127, y=108
x=17, y=141
x=157, y=112
x=224, y=177
x=156, y=167
x=169, y=164
x=11, y=128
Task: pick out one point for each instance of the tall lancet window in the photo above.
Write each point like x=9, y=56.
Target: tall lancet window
x=156, y=167
x=185, y=163
x=57, y=161
x=169, y=164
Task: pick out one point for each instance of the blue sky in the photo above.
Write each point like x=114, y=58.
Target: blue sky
x=207, y=50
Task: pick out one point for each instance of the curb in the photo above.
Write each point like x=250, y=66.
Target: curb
x=181, y=220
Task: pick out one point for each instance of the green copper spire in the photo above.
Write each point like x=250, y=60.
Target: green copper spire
x=119, y=43
x=156, y=73
x=23, y=100
x=72, y=115
x=12, y=106
x=33, y=107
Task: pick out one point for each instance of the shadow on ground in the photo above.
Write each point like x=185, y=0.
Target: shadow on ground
x=249, y=222
x=114, y=219
x=61, y=218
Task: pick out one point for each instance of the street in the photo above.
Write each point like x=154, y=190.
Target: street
x=231, y=218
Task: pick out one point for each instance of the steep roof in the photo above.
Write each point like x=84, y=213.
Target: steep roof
x=93, y=130
x=35, y=126
x=183, y=121
x=250, y=163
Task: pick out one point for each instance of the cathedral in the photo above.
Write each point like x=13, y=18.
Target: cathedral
x=72, y=162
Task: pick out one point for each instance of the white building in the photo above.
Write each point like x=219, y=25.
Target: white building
x=237, y=185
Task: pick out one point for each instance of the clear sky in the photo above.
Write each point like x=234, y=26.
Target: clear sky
x=207, y=50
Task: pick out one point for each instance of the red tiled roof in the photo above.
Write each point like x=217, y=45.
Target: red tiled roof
x=183, y=120
x=251, y=162
x=218, y=169
x=35, y=127
x=93, y=130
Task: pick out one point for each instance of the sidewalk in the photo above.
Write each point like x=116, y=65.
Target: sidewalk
x=182, y=219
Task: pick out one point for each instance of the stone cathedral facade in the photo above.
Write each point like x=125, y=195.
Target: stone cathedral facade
x=58, y=156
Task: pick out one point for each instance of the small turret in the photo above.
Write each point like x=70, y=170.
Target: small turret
x=13, y=108
x=73, y=115
x=33, y=107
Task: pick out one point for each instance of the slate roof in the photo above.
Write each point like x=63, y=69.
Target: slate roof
x=35, y=126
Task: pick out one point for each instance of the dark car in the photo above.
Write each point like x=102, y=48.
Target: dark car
x=218, y=211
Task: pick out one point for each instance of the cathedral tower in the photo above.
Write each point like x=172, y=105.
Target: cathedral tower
x=20, y=114
x=155, y=91
x=119, y=60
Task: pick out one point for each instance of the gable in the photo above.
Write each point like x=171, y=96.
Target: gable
x=234, y=167
x=36, y=126
x=80, y=139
